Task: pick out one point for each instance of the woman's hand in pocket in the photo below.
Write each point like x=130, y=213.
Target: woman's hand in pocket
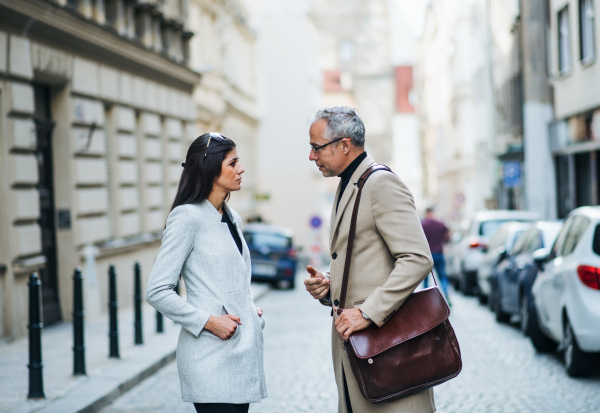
x=223, y=327
x=259, y=311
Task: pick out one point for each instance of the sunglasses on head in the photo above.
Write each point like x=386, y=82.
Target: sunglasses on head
x=212, y=135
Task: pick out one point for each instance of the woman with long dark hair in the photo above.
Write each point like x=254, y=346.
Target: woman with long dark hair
x=220, y=348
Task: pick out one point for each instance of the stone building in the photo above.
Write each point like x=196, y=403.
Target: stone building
x=223, y=50
x=96, y=108
x=575, y=73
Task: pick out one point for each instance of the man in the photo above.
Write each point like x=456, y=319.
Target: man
x=437, y=234
x=390, y=257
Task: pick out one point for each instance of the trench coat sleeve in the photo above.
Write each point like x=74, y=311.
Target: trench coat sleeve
x=177, y=243
x=397, y=222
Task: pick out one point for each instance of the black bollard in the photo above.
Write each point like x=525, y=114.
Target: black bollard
x=36, y=383
x=137, y=299
x=78, y=313
x=159, y=322
x=113, y=306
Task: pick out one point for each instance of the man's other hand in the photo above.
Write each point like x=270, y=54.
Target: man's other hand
x=317, y=285
x=349, y=321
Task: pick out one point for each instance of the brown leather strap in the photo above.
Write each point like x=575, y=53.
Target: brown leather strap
x=361, y=184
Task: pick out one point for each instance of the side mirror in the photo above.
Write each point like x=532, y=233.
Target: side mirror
x=540, y=257
x=502, y=254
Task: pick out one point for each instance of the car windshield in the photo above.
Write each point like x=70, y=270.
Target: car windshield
x=488, y=228
x=266, y=239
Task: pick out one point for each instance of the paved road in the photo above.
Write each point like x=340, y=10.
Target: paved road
x=501, y=373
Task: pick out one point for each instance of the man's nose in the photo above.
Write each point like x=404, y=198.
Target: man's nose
x=312, y=156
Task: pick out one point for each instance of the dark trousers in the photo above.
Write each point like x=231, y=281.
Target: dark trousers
x=221, y=408
x=439, y=263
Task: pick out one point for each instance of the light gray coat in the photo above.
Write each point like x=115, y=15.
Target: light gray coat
x=197, y=245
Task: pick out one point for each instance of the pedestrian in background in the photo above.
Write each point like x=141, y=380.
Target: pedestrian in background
x=390, y=258
x=220, y=348
x=437, y=234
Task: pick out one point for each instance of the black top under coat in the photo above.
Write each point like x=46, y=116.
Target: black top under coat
x=233, y=230
x=347, y=174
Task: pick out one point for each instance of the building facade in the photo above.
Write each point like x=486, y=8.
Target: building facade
x=96, y=108
x=223, y=50
x=455, y=108
x=575, y=75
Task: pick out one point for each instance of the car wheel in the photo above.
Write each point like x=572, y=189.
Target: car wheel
x=541, y=343
x=525, y=315
x=291, y=284
x=577, y=362
x=483, y=299
x=501, y=316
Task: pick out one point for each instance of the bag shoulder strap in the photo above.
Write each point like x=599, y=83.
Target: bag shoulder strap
x=361, y=183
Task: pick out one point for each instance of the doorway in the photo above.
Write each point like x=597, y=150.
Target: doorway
x=43, y=152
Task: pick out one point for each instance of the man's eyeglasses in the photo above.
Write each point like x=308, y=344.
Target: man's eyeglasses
x=317, y=148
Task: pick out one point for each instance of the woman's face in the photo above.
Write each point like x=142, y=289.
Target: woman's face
x=231, y=173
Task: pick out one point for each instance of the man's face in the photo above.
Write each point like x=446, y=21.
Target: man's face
x=330, y=159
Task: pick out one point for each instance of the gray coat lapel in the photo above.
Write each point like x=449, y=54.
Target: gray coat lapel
x=349, y=194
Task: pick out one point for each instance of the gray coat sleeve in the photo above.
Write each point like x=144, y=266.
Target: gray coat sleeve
x=177, y=243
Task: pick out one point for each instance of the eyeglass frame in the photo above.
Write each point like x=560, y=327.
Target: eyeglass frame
x=316, y=149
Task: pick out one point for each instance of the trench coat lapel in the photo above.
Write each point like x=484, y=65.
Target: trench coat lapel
x=349, y=193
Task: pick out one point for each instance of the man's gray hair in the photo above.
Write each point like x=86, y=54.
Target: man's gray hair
x=342, y=122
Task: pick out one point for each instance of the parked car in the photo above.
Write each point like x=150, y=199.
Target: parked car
x=499, y=248
x=451, y=253
x=274, y=257
x=566, y=293
x=477, y=237
x=511, y=288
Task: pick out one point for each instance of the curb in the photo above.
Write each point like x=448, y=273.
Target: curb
x=97, y=392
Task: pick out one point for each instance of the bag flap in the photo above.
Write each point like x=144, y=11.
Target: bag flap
x=421, y=312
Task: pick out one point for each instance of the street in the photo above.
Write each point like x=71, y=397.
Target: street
x=501, y=371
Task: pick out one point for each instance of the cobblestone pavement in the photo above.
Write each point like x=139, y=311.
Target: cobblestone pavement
x=501, y=371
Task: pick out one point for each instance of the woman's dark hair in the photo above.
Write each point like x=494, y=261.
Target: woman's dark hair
x=202, y=166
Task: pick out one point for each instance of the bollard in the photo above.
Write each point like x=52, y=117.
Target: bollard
x=159, y=322
x=78, y=336
x=36, y=383
x=137, y=299
x=113, y=305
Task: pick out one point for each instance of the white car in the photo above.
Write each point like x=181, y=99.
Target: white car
x=484, y=225
x=499, y=248
x=566, y=293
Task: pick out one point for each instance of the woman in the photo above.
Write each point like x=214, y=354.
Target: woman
x=220, y=348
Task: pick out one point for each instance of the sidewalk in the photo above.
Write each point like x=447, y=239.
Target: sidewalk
x=106, y=379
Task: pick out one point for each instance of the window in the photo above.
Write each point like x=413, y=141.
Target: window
x=575, y=232
x=586, y=30
x=560, y=240
x=564, y=41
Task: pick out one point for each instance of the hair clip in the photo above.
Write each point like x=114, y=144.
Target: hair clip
x=183, y=165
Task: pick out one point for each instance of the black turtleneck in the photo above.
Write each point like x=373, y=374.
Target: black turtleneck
x=347, y=174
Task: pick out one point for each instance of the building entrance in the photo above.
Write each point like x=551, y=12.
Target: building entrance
x=49, y=274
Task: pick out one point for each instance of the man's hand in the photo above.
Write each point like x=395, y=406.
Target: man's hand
x=223, y=327
x=259, y=311
x=349, y=321
x=317, y=285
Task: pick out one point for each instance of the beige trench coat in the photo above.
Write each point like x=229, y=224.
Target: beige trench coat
x=390, y=258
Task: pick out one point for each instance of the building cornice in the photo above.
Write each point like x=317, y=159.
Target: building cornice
x=52, y=24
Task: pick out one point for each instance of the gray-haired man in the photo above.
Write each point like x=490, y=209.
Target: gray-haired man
x=390, y=257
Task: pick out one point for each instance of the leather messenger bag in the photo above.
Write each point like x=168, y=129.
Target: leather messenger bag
x=414, y=350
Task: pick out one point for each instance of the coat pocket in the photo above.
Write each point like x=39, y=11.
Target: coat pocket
x=358, y=303
x=238, y=329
